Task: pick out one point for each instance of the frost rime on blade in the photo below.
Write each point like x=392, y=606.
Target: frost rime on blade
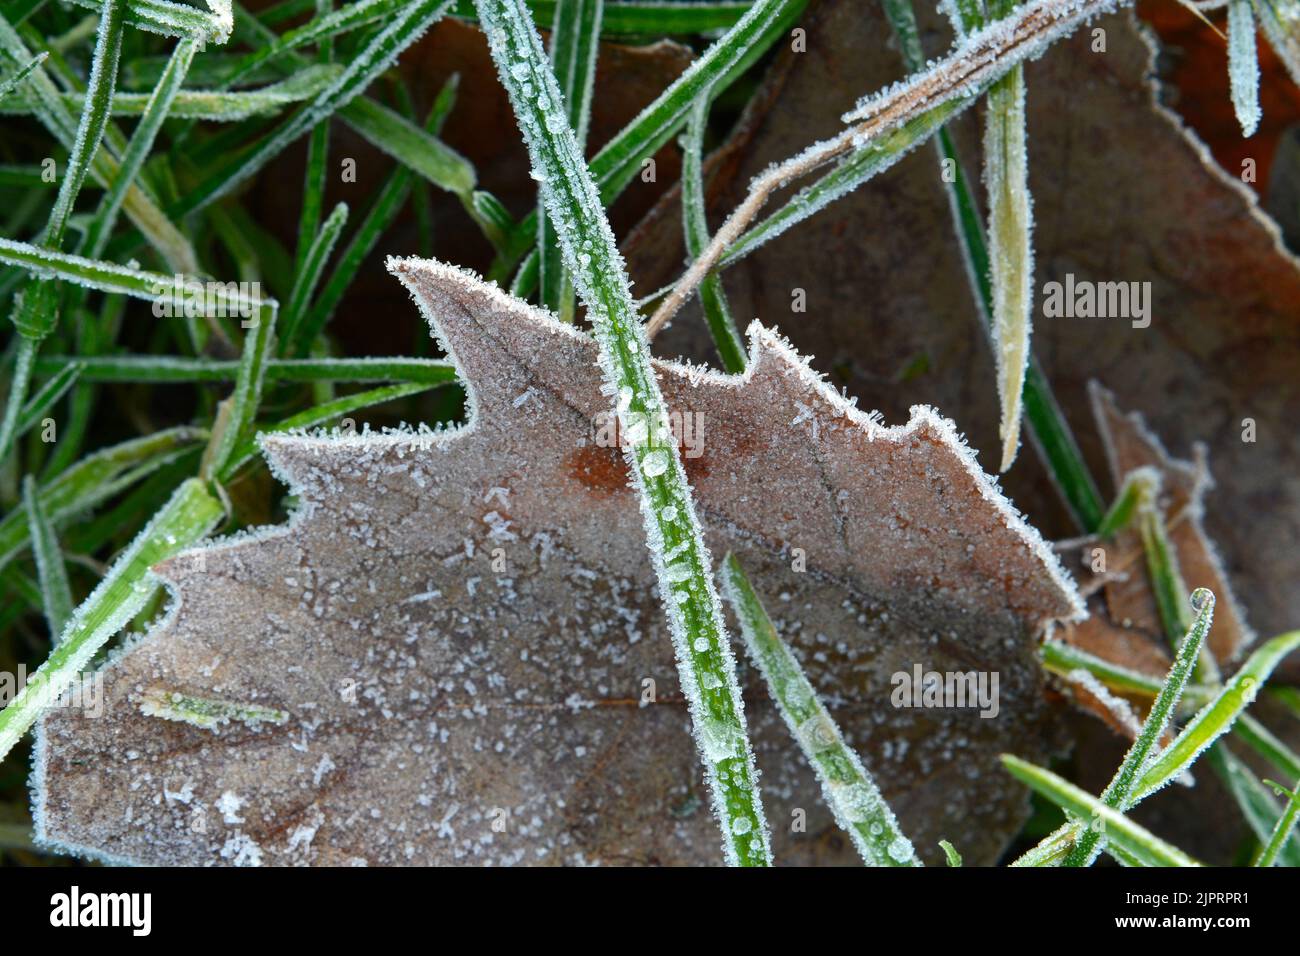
x=449, y=696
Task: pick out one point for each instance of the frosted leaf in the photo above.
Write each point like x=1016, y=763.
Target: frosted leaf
x=357, y=621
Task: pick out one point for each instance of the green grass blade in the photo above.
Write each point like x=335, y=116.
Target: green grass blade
x=209, y=105
x=40, y=404
x=313, y=197
x=110, y=277
x=56, y=595
x=175, y=19
x=125, y=590
x=850, y=792
x=323, y=27
x=1268, y=856
x=1263, y=741
x=1141, y=484
x=691, y=603
x=575, y=40
x=304, y=286
x=950, y=853
x=98, y=103
x=9, y=84
x=1255, y=800
x=1217, y=717
x=142, y=140
x=166, y=369
x=713, y=298
x=1128, y=836
x=238, y=413
x=1120, y=789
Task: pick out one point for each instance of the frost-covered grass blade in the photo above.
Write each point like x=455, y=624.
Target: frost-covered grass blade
x=852, y=794
x=705, y=661
x=1119, y=791
x=1243, y=65
x=1006, y=176
x=1127, y=836
x=717, y=313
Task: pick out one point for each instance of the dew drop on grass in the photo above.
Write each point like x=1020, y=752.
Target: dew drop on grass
x=655, y=463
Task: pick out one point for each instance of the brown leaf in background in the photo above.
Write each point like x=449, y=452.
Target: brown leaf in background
x=1121, y=193
x=462, y=630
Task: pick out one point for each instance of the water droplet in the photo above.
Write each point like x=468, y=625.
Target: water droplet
x=655, y=463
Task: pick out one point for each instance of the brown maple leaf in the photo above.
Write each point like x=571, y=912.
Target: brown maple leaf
x=454, y=651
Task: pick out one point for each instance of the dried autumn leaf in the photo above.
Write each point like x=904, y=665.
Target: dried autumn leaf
x=453, y=653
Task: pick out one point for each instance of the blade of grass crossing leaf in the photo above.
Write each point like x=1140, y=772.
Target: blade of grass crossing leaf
x=1118, y=792
x=1061, y=658
x=852, y=794
x=1268, y=856
x=1243, y=65
x=189, y=515
x=950, y=853
x=849, y=174
x=56, y=595
x=705, y=661
x=575, y=40
x=313, y=264
x=1217, y=717
x=1127, y=835
x=713, y=298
